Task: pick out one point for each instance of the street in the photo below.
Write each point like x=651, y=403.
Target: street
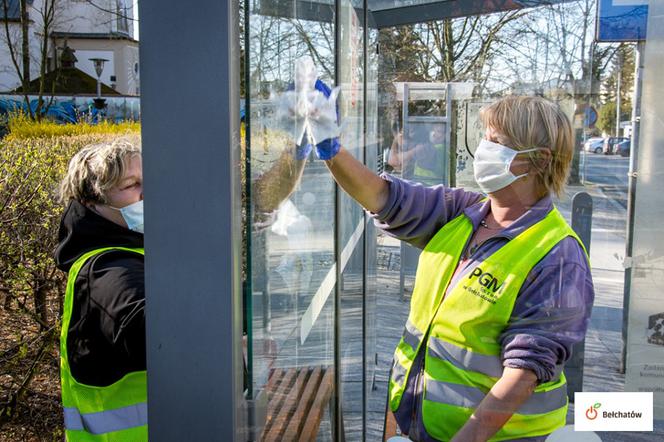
x=609, y=172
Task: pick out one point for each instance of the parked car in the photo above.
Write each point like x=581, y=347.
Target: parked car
x=593, y=145
x=610, y=143
x=623, y=148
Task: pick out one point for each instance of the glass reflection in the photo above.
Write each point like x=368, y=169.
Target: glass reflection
x=547, y=49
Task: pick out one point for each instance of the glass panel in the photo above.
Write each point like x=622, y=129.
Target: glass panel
x=351, y=219
x=645, y=269
x=291, y=275
x=546, y=50
x=375, y=397
x=425, y=92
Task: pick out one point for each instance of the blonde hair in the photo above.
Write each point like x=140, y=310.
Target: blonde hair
x=528, y=122
x=96, y=169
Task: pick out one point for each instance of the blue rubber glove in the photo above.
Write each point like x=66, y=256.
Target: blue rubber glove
x=327, y=149
x=303, y=151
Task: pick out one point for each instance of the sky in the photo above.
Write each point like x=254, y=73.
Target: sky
x=135, y=8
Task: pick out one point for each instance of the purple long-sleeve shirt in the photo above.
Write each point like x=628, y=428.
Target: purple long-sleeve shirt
x=552, y=310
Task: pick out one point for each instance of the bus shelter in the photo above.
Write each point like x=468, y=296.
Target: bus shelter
x=270, y=311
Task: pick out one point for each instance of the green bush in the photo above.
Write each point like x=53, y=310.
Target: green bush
x=33, y=160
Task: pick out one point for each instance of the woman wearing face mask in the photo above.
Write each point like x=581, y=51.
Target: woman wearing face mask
x=430, y=161
x=503, y=288
x=103, y=327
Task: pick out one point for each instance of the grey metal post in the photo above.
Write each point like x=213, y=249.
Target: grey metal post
x=631, y=191
x=582, y=214
x=618, y=96
x=190, y=124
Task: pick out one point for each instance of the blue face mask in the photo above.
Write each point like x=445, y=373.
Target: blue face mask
x=133, y=215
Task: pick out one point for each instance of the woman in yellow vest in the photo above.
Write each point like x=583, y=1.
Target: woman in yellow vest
x=503, y=287
x=430, y=161
x=102, y=344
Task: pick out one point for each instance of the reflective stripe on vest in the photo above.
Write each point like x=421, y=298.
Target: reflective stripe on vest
x=412, y=336
x=107, y=421
x=464, y=358
x=470, y=397
x=398, y=374
x=117, y=412
x=465, y=323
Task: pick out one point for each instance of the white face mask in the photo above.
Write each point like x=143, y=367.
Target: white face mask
x=435, y=138
x=492, y=165
x=133, y=215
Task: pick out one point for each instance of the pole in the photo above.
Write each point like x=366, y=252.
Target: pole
x=618, y=97
x=631, y=192
x=582, y=219
x=98, y=87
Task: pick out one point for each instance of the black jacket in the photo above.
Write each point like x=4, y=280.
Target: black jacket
x=106, y=337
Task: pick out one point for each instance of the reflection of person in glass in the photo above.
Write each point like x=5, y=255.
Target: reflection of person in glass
x=405, y=150
x=430, y=158
x=503, y=289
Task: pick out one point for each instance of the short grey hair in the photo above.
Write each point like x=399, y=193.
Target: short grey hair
x=96, y=169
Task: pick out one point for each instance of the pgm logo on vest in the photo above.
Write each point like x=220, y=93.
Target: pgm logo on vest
x=486, y=279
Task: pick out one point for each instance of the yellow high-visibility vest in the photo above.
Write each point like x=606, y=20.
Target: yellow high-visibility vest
x=115, y=413
x=462, y=360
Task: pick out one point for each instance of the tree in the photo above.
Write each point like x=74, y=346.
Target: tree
x=555, y=51
x=463, y=49
x=43, y=14
x=606, y=121
x=622, y=67
x=452, y=49
x=401, y=54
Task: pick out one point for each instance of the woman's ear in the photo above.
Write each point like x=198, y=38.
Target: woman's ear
x=542, y=160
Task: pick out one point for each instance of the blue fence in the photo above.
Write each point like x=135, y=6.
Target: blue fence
x=68, y=109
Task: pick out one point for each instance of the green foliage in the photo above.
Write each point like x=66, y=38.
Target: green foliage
x=606, y=120
x=623, y=62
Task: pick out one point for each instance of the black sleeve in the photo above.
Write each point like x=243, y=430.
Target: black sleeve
x=117, y=290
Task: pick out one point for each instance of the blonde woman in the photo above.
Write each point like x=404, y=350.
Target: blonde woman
x=102, y=343
x=503, y=288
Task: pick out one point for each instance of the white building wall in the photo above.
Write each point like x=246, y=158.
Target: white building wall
x=128, y=73
x=9, y=78
x=80, y=17
x=122, y=56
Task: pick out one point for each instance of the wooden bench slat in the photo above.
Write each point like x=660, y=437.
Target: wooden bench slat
x=277, y=399
x=306, y=401
x=390, y=425
x=323, y=395
x=274, y=380
x=280, y=423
